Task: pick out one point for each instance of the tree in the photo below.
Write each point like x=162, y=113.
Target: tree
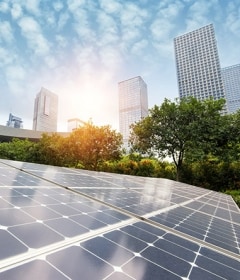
x=51, y=149
x=22, y=150
x=91, y=145
x=175, y=129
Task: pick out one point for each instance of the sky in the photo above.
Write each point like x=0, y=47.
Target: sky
x=82, y=49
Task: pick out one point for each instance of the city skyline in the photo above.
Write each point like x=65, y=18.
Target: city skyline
x=82, y=49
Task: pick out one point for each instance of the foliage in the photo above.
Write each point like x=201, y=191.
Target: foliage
x=210, y=152
x=212, y=174
x=21, y=150
x=87, y=147
x=136, y=165
x=175, y=129
x=51, y=149
x=235, y=195
x=91, y=145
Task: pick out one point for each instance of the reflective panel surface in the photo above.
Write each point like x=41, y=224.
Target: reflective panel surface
x=62, y=223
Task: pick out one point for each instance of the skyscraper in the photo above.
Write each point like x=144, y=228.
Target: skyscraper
x=231, y=80
x=45, y=111
x=198, y=65
x=14, y=121
x=133, y=104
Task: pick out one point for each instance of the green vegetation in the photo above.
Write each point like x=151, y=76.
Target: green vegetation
x=236, y=196
x=202, y=143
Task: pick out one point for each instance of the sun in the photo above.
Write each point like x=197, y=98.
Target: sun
x=89, y=100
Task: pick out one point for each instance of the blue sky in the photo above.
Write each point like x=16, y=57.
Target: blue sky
x=81, y=49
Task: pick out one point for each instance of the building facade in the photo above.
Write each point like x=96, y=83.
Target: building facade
x=74, y=124
x=231, y=80
x=198, y=65
x=14, y=121
x=45, y=111
x=133, y=105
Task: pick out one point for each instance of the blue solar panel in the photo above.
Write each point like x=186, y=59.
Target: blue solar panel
x=60, y=223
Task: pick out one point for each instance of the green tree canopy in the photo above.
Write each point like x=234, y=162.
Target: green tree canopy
x=91, y=145
x=176, y=128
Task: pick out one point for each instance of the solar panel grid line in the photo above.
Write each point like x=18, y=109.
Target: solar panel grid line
x=216, y=210
x=77, y=192
x=136, y=254
x=193, y=239
x=121, y=209
x=40, y=253
x=208, y=272
x=186, y=217
x=171, y=207
x=180, y=254
x=104, y=180
x=189, y=228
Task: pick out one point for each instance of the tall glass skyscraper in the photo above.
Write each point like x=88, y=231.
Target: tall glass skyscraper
x=133, y=104
x=198, y=65
x=231, y=80
x=45, y=111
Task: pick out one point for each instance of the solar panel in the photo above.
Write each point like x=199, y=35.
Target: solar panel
x=62, y=223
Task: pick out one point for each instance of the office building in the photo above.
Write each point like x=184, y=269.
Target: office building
x=45, y=111
x=198, y=65
x=74, y=124
x=133, y=105
x=14, y=121
x=231, y=80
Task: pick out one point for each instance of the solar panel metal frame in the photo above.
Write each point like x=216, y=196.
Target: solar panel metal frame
x=117, y=220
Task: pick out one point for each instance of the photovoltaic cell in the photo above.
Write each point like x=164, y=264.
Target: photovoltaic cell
x=61, y=223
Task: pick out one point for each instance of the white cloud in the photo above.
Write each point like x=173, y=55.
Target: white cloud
x=86, y=58
x=6, y=57
x=58, y=6
x=165, y=21
x=111, y=58
x=199, y=14
x=106, y=23
x=29, y=25
x=6, y=33
x=16, y=11
x=133, y=24
x=61, y=41
x=50, y=18
x=75, y=4
x=32, y=6
x=161, y=29
x=132, y=15
x=4, y=6
x=170, y=10
x=138, y=47
x=108, y=30
x=111, y=7
x=233, y=18
x=63, y=19
x=35, y=39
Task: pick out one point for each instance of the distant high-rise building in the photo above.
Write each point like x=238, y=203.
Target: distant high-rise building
x=231, y=80
x=74, y=124
x=45, y=111
x=198, y=64
x=14, y=121
x=133, y=105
